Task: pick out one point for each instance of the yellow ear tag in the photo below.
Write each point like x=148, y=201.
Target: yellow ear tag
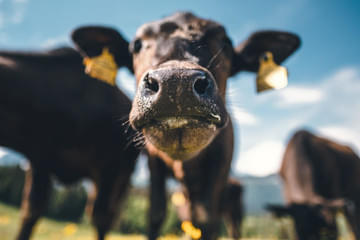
x=102, y=67
x=270, y=75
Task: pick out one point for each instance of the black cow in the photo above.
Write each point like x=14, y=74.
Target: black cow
x=320, y=178
x=231, y=207
x=181, y=64
x=68, y=125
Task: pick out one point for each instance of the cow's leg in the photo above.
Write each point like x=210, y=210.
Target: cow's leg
x=234, y=229
x=234, y=217
x=110, y=192
x=157, y=211
x=206, y=183
x=206, y=217
x=205, y=207
x=35, y=199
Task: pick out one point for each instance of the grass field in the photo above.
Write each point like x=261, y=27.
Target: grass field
x=254, y=228
x=259, y=228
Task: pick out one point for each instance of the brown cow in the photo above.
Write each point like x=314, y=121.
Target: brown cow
x=68, y=125
x=320, y=177
x=181, y=64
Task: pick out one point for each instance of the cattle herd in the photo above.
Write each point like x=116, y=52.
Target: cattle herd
x=72, y=126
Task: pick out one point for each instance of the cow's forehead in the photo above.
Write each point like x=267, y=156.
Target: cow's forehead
x=184, y=22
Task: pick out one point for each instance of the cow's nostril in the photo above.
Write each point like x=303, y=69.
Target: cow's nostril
x=201, y=84
x=151, y=83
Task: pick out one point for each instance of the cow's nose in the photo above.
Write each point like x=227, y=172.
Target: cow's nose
x=151, y=83
x=201, y=83
x=179, y=82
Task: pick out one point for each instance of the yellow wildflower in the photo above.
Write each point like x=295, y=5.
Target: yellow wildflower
x=70, y=229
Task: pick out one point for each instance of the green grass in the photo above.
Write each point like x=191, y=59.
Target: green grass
x=267, y=227
x=48, y=229
x=260, y=228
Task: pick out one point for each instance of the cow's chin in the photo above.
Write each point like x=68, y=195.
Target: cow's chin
x=180, y=139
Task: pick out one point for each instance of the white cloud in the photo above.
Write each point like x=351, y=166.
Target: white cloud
x=15, y=13
x=126, y=82
x=262, y=159
x=342, y=85
x=55, y=41
x=242, y=116
x=19, y=10
x=299, y=96
x=344, y=81
x=331, y=111
x=342, y=135
x=341, y=112
x=346, y=73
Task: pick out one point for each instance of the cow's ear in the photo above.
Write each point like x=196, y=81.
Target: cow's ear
x=278, y=210
x=91, y=40
x=247, y=54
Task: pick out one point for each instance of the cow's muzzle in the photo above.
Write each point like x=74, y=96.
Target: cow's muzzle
x=178, y=109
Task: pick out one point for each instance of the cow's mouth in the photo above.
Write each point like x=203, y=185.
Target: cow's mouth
x=181, y=137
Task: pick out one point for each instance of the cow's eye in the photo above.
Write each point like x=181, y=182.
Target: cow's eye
x=137, y=46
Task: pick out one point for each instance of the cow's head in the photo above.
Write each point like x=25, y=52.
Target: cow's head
x=312, y=222
x=181, y=64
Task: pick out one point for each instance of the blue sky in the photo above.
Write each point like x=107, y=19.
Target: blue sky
x=324, y=84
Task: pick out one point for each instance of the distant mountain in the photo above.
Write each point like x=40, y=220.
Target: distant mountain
x=259, y=191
